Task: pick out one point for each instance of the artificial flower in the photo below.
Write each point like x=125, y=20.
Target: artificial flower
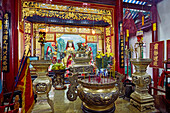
x=111, y=54
x=98, y=56
x=102, y=54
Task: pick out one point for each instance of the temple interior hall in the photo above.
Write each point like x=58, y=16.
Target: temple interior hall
x=84, y=56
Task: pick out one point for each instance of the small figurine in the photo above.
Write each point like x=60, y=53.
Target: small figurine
x=16, y=104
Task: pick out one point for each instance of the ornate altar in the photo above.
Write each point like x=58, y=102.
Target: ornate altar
x=96, y=96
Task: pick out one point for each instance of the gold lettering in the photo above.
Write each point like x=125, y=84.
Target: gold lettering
x=155, y=63
x=6, y=16
x=155, y=58
x=4, y=42
x=6, y=26
x=156, y=46
x=5, y=32
x=4, y=57
x=155, y=53
x=5, y=46
x=4, y=68
x=4, y=63
x=5, y=37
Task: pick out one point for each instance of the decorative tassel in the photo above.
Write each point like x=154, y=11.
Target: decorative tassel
x=143, y=17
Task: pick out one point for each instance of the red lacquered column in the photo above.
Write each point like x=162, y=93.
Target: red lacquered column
x=11, y=6
x=154, y=39
x=118, y=18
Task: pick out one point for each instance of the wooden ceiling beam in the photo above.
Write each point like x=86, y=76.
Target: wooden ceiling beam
x=148, y=1
x=136, y=6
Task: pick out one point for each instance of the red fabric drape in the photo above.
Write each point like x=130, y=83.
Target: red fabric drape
x=162, y=77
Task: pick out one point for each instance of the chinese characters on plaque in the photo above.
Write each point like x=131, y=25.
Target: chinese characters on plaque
x=121, y=45
x=5, y=42
x=157, y=54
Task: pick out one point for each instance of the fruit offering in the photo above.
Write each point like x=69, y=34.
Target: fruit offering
x=58, y=66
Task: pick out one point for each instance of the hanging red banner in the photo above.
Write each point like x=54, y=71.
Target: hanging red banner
x=157, y=54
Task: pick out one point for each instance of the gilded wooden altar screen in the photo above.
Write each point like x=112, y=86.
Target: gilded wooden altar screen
x=70, y=13
x=27, y=37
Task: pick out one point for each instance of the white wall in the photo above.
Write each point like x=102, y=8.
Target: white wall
x=163, y=30
x=147, y=38
x=164, y=22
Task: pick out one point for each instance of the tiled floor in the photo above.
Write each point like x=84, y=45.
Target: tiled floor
x=63, y=105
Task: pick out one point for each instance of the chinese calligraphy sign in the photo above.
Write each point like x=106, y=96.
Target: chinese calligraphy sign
x=5, y=42
x=157, y=54
x=121, y=45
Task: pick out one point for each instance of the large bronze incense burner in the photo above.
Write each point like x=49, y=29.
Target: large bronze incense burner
x=99, y=97
x=141, y=98
x=42, y=84
x=96, y=96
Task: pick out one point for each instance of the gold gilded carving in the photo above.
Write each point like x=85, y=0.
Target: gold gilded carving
x=108, y=31
x=50, y=37
x=65, y=12
x=92, y=38
x=65, y=8
x=100, y=37
x=58, y=35
x=27, y=37
x=100, y=28
x=84, y=30
x=100, y=44
x=108, y=46
x=27, y=27
x=108, y=19
x=98, y=31
x=56, y=29
x=69, y=29
x=83, y=36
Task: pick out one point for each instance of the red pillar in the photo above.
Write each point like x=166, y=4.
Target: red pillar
x=118, y=19
x=154, y=39
x=11, y=6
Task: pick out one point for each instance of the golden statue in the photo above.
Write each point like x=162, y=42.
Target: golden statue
x=69, y=49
